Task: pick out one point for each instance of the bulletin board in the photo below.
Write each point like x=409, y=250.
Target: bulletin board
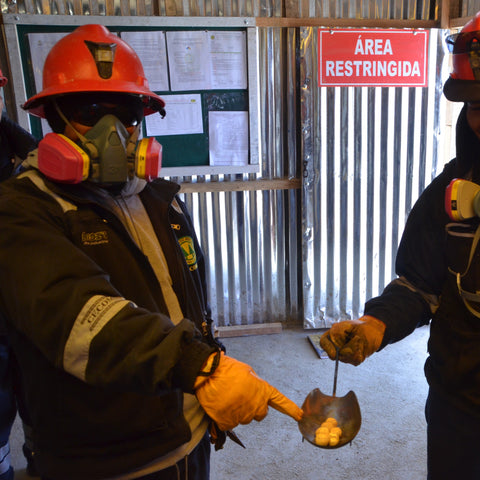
x=205, y=68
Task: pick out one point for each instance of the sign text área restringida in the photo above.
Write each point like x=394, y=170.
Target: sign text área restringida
x=386, y=58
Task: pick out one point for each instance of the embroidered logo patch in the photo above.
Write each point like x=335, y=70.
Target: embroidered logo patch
x=189, y=251
x=94, y=238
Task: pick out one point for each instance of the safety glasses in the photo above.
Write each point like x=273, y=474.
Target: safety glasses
x=463, y=42
x=88, y=109
x=91, y=114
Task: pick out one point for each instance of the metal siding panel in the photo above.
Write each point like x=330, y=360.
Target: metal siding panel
x=217, y=254
x=470, y=7
x=372, y=160
x=245, y=253
x=388, y=9
x=257, y=260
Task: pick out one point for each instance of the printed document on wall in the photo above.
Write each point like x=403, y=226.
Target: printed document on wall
x=189, y=60
x=151, y=48
x=228, y=138
x=184, y=116
x=228, y=56
x=207, y=60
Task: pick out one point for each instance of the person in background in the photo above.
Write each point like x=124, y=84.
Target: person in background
x=123, y=378
x=438, y=268
x=15, y=143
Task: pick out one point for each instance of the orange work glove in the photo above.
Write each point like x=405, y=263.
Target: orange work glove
x=233, y=394
x=355, y=339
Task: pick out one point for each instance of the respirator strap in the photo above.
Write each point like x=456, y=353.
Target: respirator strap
x=86, y=143
x=466, y=296
x=132, y=140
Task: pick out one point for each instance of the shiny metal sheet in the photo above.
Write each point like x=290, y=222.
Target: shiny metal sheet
x=368, y=153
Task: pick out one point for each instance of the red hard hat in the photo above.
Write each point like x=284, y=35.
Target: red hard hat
x=92, y=59
x=3, y=80
x=463, y=85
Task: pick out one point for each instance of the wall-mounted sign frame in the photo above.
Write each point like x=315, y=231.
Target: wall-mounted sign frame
x=206, y=69
x=372, y=57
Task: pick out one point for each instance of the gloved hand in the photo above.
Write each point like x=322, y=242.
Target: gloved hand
x=233, y=394
x=355, y=339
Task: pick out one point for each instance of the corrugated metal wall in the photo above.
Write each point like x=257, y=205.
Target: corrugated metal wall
x=359, y=9
x=252, y=238
x=368, y=152
x=313, y=254
x=468, y=8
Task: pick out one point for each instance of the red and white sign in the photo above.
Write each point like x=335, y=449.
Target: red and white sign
x=384, y=58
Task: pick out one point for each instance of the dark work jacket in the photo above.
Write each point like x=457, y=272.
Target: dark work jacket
x=14, y=140
x=60, y=248
x=427, y=290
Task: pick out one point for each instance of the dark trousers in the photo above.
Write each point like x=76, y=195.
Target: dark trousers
x=195, y=466
x=453, y=441
x=8, y=408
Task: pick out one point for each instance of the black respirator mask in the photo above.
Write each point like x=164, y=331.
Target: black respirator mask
x=107, y=154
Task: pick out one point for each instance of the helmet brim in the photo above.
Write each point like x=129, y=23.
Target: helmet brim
x=457, y=90
x=34, y=105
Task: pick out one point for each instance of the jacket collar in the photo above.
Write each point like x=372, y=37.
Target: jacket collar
x=87, y=192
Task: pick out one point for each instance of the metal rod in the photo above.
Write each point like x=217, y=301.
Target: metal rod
x=336, y=373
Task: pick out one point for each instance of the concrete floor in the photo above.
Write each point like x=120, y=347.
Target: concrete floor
x=391, y=390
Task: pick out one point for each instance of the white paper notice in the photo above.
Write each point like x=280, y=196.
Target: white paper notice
x=228, y=60
x=184, y=116
x=40, y=46
x=151, y=48
x=188, y=58
x=228, y=138
x=207, y=60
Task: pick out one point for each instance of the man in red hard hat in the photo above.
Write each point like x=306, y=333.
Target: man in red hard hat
x=438, y=268
x=111, y=325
